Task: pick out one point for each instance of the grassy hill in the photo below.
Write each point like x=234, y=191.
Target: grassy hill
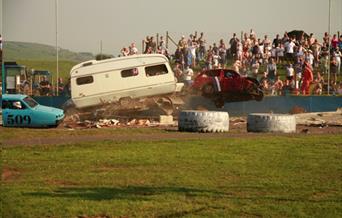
x=43, y=57
x=35, y=51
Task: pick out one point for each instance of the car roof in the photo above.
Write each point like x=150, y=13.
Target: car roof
x=13, y=97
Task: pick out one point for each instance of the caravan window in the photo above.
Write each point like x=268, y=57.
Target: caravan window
x=156, y=70
x=84, y=80
x=129, y=72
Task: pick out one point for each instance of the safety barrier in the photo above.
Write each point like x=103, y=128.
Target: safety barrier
x=275, y=104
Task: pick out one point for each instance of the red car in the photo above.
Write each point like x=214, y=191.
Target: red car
x=224, y=85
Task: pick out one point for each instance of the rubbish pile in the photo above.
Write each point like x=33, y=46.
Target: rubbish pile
x=74, y=121
x=320, y=119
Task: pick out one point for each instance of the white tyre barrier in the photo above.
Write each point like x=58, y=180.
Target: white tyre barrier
x=259, y=122
x=203, y=121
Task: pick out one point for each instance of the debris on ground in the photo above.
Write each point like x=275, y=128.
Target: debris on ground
x=238, y=121
x=320, y=119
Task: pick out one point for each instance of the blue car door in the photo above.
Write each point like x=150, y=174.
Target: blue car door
x=16, y=114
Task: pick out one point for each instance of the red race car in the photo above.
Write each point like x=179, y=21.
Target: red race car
x=224, y=85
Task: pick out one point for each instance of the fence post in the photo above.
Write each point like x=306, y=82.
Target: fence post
x=167, y=39
x=157, y=35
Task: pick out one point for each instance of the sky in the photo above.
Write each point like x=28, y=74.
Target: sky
x=83, y=24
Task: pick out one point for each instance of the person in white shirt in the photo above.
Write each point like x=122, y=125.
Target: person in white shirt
x=133, y=49
x=289, y=72
x=188, y=74
x=289, y=48
x=309, y=57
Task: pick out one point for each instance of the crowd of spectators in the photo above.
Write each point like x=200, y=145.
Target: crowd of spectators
x=303, y=59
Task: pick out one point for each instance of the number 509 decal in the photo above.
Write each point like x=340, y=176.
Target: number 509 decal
x=11, y=119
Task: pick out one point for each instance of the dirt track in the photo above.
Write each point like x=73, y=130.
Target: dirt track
x=237, y=130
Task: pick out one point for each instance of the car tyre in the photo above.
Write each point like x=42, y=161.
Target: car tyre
x=261, y=122
x=203, y=121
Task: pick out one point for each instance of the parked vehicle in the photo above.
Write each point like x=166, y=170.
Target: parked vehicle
x=23, y=111
x=12, y=76
x=131, y=82
x=224, y=85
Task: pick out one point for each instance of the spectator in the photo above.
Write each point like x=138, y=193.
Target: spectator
x=337, y=54
x=233, y=45
x=280, y=54
x=0, y=42
x=255, y=68
x=239, y=50
x=216, y=59
x=339, y=89
x=192, y=54
x=333, y=70
x=318, y=88
x=153, y=45
x=340, y=43
x=316, y=48
x=289, y=50
x=178, y=72
x=309, y=57
x=289, y=72
x=222, y=52
x=326, y=39
x=311, y=39
x=267, y=46
x=44, y=87
x=237, y=66
x=277, y=86
x=288, y=87
x=201, y=50
x=147, y=43
x=265, y=86
x=334, y=42
x=271, y=70
x=133, y=50
x=188, y=74
x=209, y=59
x=264, y=77
x=182, y=44
x=60, y=86
x=124, y=51
x=276, y=42
x=307, y=78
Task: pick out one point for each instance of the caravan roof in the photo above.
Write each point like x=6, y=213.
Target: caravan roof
x=118, y=63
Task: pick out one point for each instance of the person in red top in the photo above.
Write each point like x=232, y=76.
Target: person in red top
x=307, y=78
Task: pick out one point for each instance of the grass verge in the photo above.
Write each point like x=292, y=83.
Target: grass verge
x=279, y=176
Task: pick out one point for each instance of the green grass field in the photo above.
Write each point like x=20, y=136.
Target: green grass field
x=269, y=176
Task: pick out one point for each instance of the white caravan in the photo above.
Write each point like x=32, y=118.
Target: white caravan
x=113, y=80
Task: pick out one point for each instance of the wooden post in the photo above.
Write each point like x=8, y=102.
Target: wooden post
x=157, y=35
x=142, y=46
x=167, y=39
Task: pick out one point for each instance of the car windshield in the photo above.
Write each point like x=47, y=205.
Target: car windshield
x=30, y=102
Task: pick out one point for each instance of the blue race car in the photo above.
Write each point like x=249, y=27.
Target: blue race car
x=23, y=111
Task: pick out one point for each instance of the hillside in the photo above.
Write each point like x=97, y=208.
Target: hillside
x=35, y=51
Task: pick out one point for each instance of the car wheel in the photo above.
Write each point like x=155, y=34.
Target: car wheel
x=203, y=121
x=262, y=122
x=208, y=90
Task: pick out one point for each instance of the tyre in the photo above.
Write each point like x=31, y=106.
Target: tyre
x=203, y=121
x=259, y=122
